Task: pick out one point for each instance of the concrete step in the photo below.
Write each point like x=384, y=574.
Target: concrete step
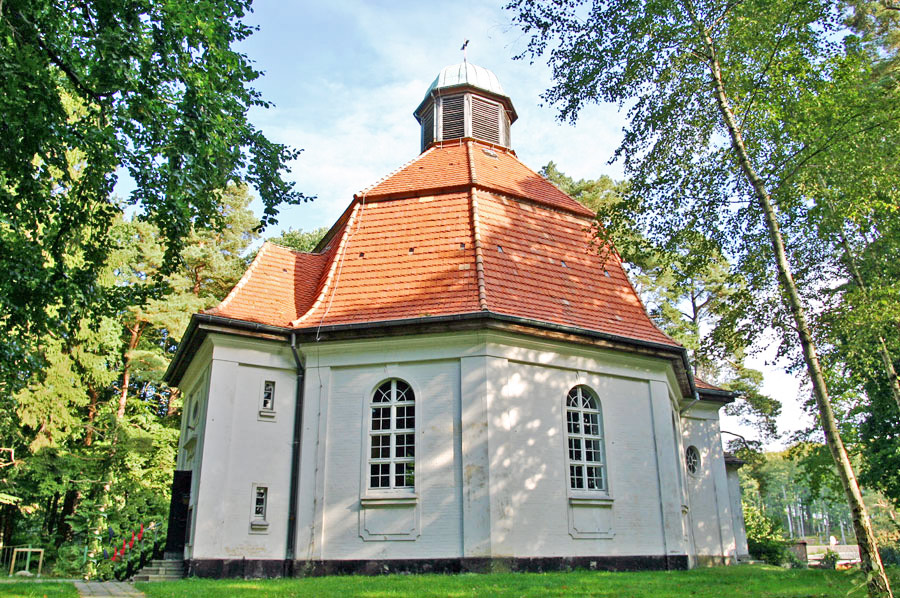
x=166, y=568
x=154, y=577
x=161, y=570
x=167, y=562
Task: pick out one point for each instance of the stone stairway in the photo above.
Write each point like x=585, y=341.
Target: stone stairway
x=161, y=570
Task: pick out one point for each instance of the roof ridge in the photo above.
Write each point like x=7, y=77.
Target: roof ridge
x=473, y=176
x=244, y=278
x=294, y=251
x=404, y=166
x=479, y=255
x=338, y=258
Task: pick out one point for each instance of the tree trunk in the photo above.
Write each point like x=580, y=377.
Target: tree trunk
x=170, y=405
x=878, y=584
x=92, y=415
x=63, y=527
x=135, y=331
x=50, y=515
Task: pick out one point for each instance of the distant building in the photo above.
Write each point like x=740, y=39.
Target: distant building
x=477, y=387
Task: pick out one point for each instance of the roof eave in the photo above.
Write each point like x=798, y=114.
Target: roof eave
x=199, y=326
x=461, y=87
x=718, y=395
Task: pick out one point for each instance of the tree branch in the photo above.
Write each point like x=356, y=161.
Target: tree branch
x=61, y=65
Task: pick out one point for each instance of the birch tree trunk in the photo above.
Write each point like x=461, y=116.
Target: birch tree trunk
x=877, y=581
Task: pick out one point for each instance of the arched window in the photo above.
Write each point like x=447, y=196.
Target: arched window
x=584, y=428
x=392, y=436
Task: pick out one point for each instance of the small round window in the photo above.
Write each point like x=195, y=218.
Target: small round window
x=692, y=459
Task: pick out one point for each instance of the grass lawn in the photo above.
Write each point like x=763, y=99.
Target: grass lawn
x=757, y=581
x=26, y=589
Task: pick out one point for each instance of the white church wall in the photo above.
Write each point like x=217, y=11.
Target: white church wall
x=737, y=513
x=497, y=485
x=243, y=449
x=364, y=523
x=709, y=501
x=491, y=454
x=533, y=511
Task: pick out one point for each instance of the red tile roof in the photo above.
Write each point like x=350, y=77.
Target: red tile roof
x=280, y=284
x=704, y=385
x=465, y=163
x=407, y=249
x=539, y=264
x=405, y=258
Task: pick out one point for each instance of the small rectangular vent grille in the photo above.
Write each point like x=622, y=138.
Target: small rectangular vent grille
x=453, y=123
x=485, y=120
x=428, y=128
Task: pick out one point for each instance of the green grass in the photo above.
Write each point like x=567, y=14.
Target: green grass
x=27, y=589
x=758, y=581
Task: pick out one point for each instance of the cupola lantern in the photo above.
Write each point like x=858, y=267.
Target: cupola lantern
x=465, y=101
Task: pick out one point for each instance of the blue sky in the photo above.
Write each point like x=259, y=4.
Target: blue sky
x=345, y=77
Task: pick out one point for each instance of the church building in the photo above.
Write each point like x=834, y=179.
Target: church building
x=455, y=379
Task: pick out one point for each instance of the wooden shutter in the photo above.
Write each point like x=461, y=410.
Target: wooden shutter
x=453, y=113
x=485, y=120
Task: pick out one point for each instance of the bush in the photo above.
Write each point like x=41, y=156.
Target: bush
x=890, y=554
x=765, y=538
x=829, y=561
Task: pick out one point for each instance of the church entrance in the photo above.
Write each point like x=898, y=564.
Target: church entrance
x=178, y=514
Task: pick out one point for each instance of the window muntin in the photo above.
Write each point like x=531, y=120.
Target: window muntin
x=260, y=503
x=584, y=435
x=392, y=437
x=692, y=459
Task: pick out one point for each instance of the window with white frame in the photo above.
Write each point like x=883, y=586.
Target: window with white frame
x=268, y=396
x=584, y=430
x=260, y=502
x=392, y=437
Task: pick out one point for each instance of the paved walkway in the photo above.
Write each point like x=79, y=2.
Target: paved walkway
x=107, y=588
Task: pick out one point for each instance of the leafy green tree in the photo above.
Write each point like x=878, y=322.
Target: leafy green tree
x=96, y=437
x=299, y=239
x=691, y=304
x=94, y=90
x=717, y=137
x=765, y=538
x=211, y=263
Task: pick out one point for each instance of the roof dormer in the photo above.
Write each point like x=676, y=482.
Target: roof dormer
x=465, y=101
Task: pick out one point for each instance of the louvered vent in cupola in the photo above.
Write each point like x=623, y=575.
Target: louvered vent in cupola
x=453, y=117
x=428, y=128
x=485, y=120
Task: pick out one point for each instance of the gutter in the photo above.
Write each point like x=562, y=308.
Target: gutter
x=194, y=335
x=291, y=545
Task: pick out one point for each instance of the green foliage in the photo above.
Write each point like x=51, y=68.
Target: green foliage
x=765, y=538
x=830, y=559
x=689, y=297
x=96, y=431
x=92, y=91
x=299, y=239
